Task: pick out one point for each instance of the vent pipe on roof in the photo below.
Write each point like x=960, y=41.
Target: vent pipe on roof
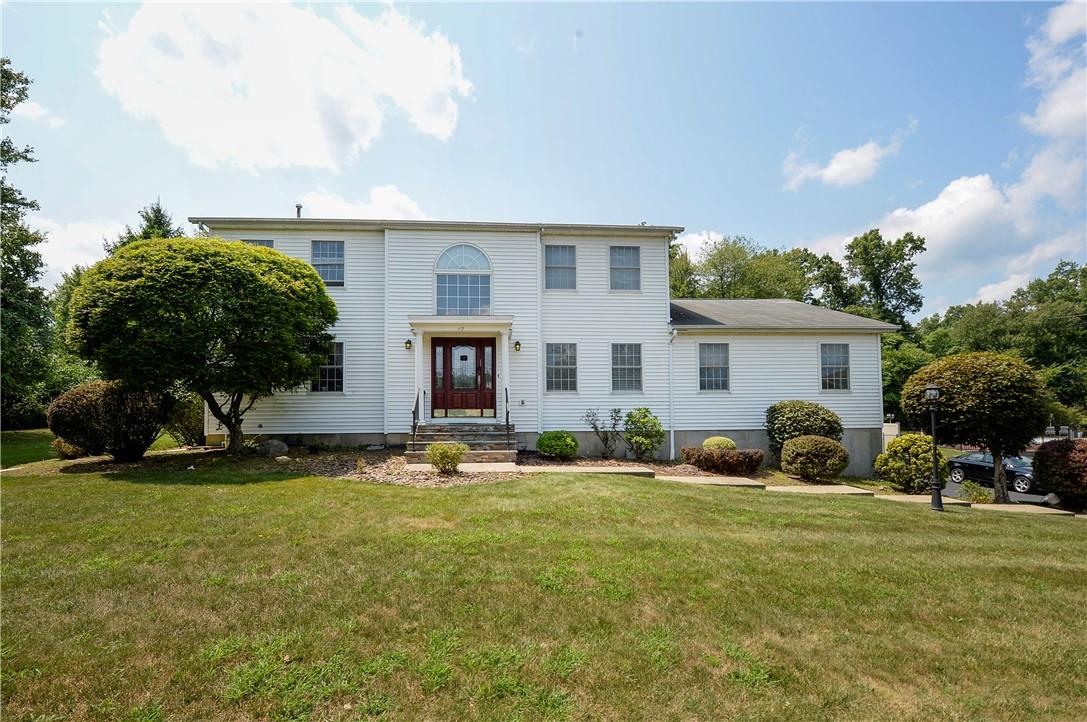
x=297, y=210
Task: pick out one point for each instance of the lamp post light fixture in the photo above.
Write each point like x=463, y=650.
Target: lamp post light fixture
x=932, y=395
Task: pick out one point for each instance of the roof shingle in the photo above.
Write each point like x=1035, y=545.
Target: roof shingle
x=767, y=314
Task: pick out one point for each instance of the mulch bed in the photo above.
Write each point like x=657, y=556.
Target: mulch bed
x=671, y=468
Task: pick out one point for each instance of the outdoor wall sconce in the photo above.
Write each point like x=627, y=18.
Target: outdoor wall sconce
x=407, y=345
x=516, y=345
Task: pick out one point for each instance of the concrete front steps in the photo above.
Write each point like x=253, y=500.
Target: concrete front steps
x=486, y=442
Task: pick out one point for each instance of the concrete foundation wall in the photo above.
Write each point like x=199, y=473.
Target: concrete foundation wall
x=863, y=445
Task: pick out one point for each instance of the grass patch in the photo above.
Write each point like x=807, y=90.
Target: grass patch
x=23, y=447
x=231, y=592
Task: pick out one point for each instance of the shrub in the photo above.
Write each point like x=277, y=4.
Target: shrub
x=975, y=493
x=104, y=416
x=446, y=457
x=907, y=463
x=559, y=444
x=643, y=432
x=719, y=442
x=186, y=422
x=814, y=457
x=738, y=462
x=67, y=451
x=76, y=417
x=1061, y=467
x=606, y=431
x=789, y=419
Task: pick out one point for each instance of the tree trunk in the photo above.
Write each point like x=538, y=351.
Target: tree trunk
x=237, y=439
x=230, y=418
x=1000, y=480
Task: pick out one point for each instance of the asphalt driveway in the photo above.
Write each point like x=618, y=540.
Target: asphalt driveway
x=952, y=489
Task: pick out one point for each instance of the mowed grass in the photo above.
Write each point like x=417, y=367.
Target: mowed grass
x=229, y=592
x=23, y=447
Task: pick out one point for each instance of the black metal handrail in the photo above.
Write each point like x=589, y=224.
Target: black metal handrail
x=508, y=446
x=415, y=415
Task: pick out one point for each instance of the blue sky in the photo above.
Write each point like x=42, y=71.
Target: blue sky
x=796, y=125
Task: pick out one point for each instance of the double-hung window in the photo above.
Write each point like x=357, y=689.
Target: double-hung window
x=626, y=367
x=330, y=374
x=834, y=366
x=562, y=367
x=327, y=258
x=560, y=267
x=263, y=244
x=625, y=263
x=713, y=367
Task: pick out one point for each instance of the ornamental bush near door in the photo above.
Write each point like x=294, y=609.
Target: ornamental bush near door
x=814, y=458
x=446, y=457
x=788, y=419
x=557, y=444
x=907, y=463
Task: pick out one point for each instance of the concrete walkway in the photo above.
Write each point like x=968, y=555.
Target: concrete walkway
x=736, y=481
x=921, y=499
x=1023, y=509
x=574, y=469
x=822, y=489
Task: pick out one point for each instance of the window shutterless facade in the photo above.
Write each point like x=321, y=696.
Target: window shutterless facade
x=463, y=282
x=834, y=366
x=562, y=367
x=330, y=374
x=713, y=367
x=625, y=263
x=626, y=367
x=255, y=242
x=560, y=267
x=327, y=258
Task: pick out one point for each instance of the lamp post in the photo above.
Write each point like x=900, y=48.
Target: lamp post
x=932, y=395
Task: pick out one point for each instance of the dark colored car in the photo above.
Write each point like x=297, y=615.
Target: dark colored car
x=978, y=466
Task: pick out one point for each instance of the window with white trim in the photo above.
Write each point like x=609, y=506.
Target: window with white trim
x=562, y=367
x=327, y=258
x=330, y=374
x=255, y=242
x=713, y=367
x=463, y=282
x=625, y=263
x=560, y=267
x=834, y=366
x=626, y=367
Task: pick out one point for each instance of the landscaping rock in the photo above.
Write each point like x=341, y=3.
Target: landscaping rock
x=273, y=447
x=283, y=459
x=1051, y=499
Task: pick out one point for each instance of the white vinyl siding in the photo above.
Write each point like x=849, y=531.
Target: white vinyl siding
x=561, y=367
x=713, y=366
x=626, y=268
x=327, y=258
x=834, y=366
x=560, y=267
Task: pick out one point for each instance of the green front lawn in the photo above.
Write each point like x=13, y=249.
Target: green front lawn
x=23, y=447
x=240, y=591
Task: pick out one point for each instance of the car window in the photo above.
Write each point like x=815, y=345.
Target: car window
x=987, y=458
x=972, y=457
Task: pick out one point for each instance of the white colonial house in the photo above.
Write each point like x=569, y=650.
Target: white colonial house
x=463, y=323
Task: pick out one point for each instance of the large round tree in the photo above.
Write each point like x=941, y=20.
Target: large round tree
x=989, y=400
x=231, y=321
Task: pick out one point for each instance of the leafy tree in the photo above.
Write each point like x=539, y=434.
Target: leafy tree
x=987, y=399
x=683, y=274
x=155, y=222
x=24, y=316
x=885, y=274
x=901, y=358
x=231, y=322
x=737, y=267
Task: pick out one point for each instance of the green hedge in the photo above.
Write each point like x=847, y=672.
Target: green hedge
x=789, y=419
x=739, y=462
x=814, y=458
x=558, y=444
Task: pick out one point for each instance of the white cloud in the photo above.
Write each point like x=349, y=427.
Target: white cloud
x=385, y=202
x=273, y=85
x=69, y=244
x=36, y=112
x=694, y=242
x=1024, y=268
x=846, y=167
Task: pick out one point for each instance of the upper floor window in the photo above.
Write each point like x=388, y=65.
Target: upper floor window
x=560, y=267
x=562, y=367
x=626, y=268
x=713, y=367
x=463, y=282
x=834, y=366
x=626, y=367
x=330, y=374
x=327, y=258
x=254, y=242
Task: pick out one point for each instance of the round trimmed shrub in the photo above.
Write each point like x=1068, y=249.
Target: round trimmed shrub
x=907, y=463
x=1061, y=467
x=76, y=417
x=814, y=457
x=733, y=462
x=557, y=444
x=789, y=419
x=719, y=442
x=446, y=457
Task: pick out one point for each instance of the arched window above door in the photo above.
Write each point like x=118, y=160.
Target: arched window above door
x=463, y=282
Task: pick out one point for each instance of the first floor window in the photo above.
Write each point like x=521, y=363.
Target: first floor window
x=327, y=258
x=713, y=366
x=626, y=367
x=330, y=374
x=265, y=244
x=834, y=366
x=562, y=367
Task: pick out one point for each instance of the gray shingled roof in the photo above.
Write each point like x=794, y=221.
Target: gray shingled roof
x=767, y=314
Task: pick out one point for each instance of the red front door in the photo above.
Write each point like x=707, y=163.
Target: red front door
x=462, y=377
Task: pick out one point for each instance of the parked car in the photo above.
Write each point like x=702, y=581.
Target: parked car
x=978, y=466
